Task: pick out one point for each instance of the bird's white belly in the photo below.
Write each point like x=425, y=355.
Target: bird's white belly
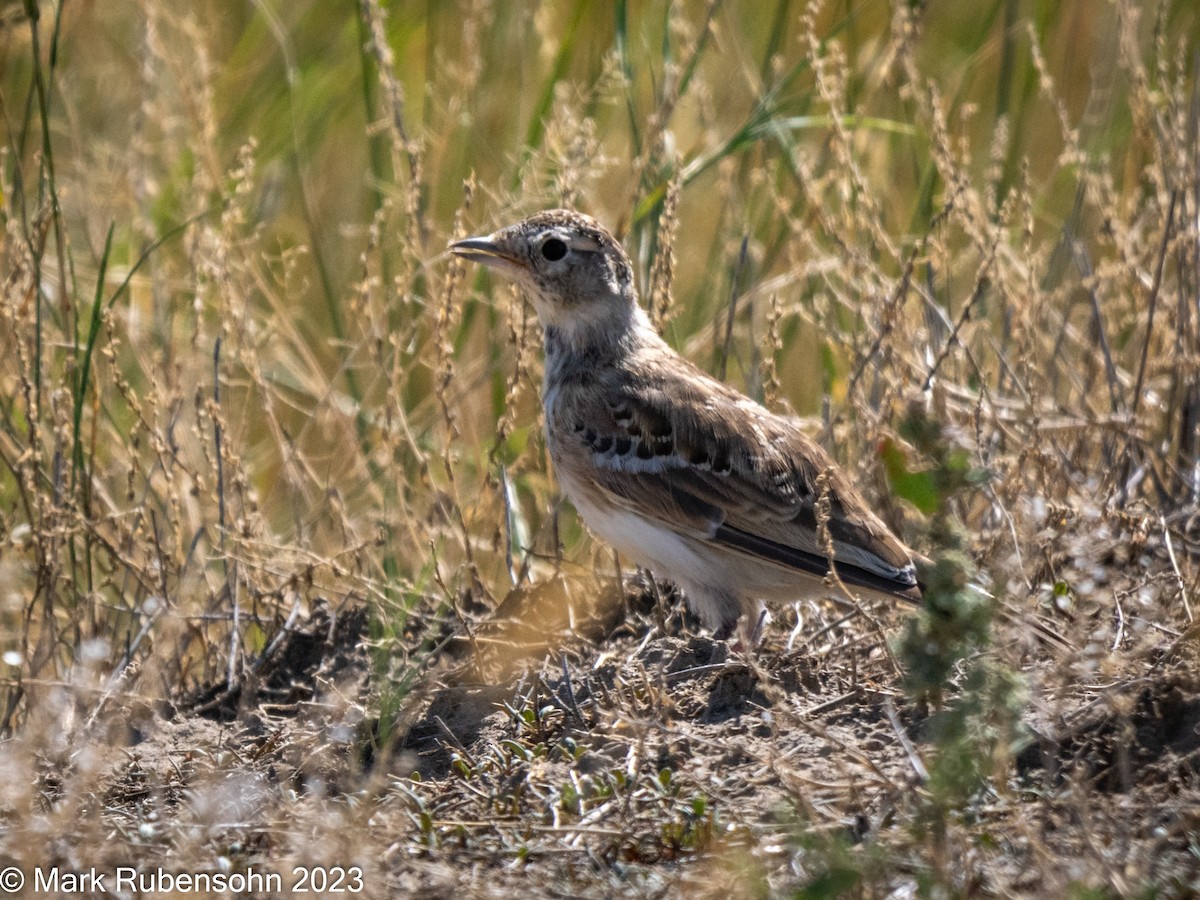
x=667, y=553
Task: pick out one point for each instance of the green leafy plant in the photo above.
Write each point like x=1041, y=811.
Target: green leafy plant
x=975, y=700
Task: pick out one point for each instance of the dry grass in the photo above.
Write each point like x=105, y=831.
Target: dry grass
x=277, y=529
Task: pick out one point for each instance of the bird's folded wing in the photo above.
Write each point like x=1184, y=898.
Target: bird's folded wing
x=718, y=468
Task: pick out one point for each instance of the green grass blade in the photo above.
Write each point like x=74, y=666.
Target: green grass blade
x=85, y=368
x=562, y=59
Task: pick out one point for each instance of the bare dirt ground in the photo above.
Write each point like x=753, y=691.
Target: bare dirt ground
x=636, y=757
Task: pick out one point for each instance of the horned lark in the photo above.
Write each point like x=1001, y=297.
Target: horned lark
x=677, y=471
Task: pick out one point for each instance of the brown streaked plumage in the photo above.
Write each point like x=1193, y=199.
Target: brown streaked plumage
x=678, y=471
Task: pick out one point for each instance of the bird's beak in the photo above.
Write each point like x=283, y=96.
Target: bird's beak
x=489, y=251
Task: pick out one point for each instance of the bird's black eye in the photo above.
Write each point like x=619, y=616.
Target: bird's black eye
x=554, y=249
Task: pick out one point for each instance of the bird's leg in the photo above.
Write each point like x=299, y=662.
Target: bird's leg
x=761, y=620
x=749, y=627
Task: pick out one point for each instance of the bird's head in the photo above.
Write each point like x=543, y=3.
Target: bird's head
x=572, y=269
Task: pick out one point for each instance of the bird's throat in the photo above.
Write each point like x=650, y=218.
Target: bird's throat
x=596, y=340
